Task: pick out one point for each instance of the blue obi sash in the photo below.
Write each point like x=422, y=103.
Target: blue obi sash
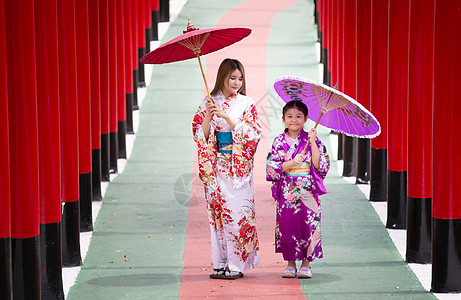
x=224, y=141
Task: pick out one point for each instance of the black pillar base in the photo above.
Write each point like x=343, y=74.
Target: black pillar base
x=363, y=161
x=86, y=202
x=396, y=200
x=446, y=256
x=141, y=73
x=6, y=273
x=105, y=157
x=71, y=234
x=96, y=174
x=113, y=137
x=164, y=10
x=26, y=268
x=340, y=146
x=378, y=175
x=121, y=139
x=51, y=261
x=349, y=156
x=419, y=230
x=135, y=89
x=155, y=14
x=129, y=113
x=148, y=34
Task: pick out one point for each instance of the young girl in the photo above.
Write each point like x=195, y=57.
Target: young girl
x=227, y=131
x=297, y=231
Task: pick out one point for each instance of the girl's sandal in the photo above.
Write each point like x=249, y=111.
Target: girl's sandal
x=305, y=272
x=289, y=272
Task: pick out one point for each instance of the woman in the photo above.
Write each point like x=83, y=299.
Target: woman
x=227, y=131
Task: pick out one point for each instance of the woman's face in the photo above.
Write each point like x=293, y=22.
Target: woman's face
x=233, y=83
x=294, y=119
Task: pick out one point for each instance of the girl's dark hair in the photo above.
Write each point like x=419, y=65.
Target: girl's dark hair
x=225, y=69
x=295, y=104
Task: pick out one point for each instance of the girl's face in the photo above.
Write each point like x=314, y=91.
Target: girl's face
x=233, y=83
x=294, y=119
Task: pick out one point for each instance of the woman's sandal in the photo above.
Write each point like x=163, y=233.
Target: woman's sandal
x=232, y=275
x=218, y=273
x=305, y=272
x=289, y=272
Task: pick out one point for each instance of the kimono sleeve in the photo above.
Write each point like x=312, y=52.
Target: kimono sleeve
x=324, y=164
x=274, y=162
x=246, y=135
x=206, y=150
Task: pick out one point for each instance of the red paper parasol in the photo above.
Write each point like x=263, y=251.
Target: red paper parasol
x=193, y=43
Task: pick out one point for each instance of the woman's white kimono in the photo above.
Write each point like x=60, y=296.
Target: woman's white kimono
x=228, y=181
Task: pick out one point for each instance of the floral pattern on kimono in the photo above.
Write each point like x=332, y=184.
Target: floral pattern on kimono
x=228, y=182
x=297, y=231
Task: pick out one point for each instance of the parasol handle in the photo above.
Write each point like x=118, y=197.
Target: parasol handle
x=203, y=75
x=322, y=112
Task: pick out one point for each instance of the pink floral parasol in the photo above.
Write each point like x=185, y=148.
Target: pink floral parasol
x=329, y=107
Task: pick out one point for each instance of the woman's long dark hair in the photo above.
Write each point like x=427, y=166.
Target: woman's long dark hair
x=225, y=69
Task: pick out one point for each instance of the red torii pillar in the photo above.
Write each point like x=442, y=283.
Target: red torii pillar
x=332, y=42
x=113, y=86
x=104, y=80
x=128, y=66
x=95, y=88
x=397, y=102
x=23, y=142
x=134, y=38
x=420, y=88
x=349, y=80
x=84, y=115
x=69, y=133
x=141, y=41
x=6, y=276
x=378, y=105
x=147, y=24
x=328, y=34
x=121, y=75
x=363, y=18
x=321, y=27
x=338, y=53
x=46, y=39
x=155, y=15
x=446, y=205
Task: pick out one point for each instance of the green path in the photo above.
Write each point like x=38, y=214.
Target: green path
x=137, y=247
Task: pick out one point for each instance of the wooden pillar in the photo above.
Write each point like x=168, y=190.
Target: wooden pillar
x=6, y=275
x=378, y=105
x=446, y=206
x=363, y=56
x=397, y=102
x=95, y=88
x=69, y=134
x=104, y=80
x=23, y=142
x=349, y=79
x=84, y=114
x=47, y=60
x=420, y=92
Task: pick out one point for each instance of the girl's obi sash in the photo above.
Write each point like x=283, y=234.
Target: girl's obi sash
x=224, y=141
x=302, y=169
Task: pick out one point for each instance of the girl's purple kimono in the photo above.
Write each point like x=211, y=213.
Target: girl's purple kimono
x=297, y=230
